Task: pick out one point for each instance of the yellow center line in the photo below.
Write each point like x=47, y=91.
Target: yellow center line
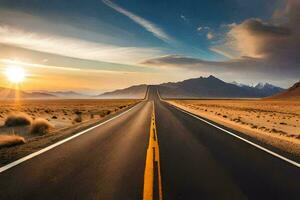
x=152, y=158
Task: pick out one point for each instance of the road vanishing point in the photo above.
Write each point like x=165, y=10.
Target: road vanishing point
x=153, y=151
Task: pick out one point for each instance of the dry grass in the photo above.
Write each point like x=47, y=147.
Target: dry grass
x=40, y=126
x=11, y=140
x=35, y=142
x=18, y=119
x=55, y=110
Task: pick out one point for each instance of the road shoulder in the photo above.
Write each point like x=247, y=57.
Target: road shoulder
x=10, y=154
x=287, y=146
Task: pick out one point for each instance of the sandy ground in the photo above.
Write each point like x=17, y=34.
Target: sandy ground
x=273, y=122
x=60, y=113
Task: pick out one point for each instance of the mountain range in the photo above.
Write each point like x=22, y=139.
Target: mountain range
x=8, y=93
x=202, y=87
x=68, y=94
x=268, y=89
x=212, y=87
x=133, y=92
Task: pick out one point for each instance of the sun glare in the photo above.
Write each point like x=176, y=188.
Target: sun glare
x=15, y=74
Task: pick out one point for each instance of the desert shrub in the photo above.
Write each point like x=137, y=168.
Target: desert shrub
x=254, y=126
x=103, y=113
x=78, y=118
x=237, y=119
x=262, y=128
x=18, y=119
x=77, y=112
x=40, y=126
x=54, y=117
x=273, y=130
x=11, y=140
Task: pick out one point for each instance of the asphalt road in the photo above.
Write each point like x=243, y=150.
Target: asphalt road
x=197, y=161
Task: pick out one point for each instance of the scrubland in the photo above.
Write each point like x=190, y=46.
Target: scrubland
x=273, y=122
x=28, y=125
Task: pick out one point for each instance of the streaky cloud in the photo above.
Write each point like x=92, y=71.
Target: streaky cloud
x=149, y=26
x=73, y=47
x=244, y=66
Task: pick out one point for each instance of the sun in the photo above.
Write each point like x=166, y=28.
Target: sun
x=15, y=74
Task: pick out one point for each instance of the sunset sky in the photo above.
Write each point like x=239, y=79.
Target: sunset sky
x=100, y=45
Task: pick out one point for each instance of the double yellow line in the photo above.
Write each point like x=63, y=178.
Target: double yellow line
x=152, y=176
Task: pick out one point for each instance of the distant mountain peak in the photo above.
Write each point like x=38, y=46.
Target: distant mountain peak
x=212, y=77
x=265, y=85
x=213, y=87
x=201, y=87
x=296, y=86
x=132, y=92
x=239, y=84
x=261, y=85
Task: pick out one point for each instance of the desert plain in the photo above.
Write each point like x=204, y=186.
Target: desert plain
x=35, y=124
x=274, y=122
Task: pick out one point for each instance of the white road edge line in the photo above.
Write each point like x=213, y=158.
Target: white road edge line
x=21, y=160
x=239, y=137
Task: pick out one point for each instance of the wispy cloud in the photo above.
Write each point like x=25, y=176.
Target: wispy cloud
x=73, y=47
x=223, y=52
x=184, y=18
x=8, y=62
x=201, y=28
x=149, y=26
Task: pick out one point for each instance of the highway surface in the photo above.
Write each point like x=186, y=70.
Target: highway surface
x=153, y=151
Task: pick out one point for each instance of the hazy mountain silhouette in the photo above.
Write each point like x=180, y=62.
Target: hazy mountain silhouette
x=68, y=94
x=8, y=93
x=133, y=92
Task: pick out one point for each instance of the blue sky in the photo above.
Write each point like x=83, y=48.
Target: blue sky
x=136, y=36
x=179, y=20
